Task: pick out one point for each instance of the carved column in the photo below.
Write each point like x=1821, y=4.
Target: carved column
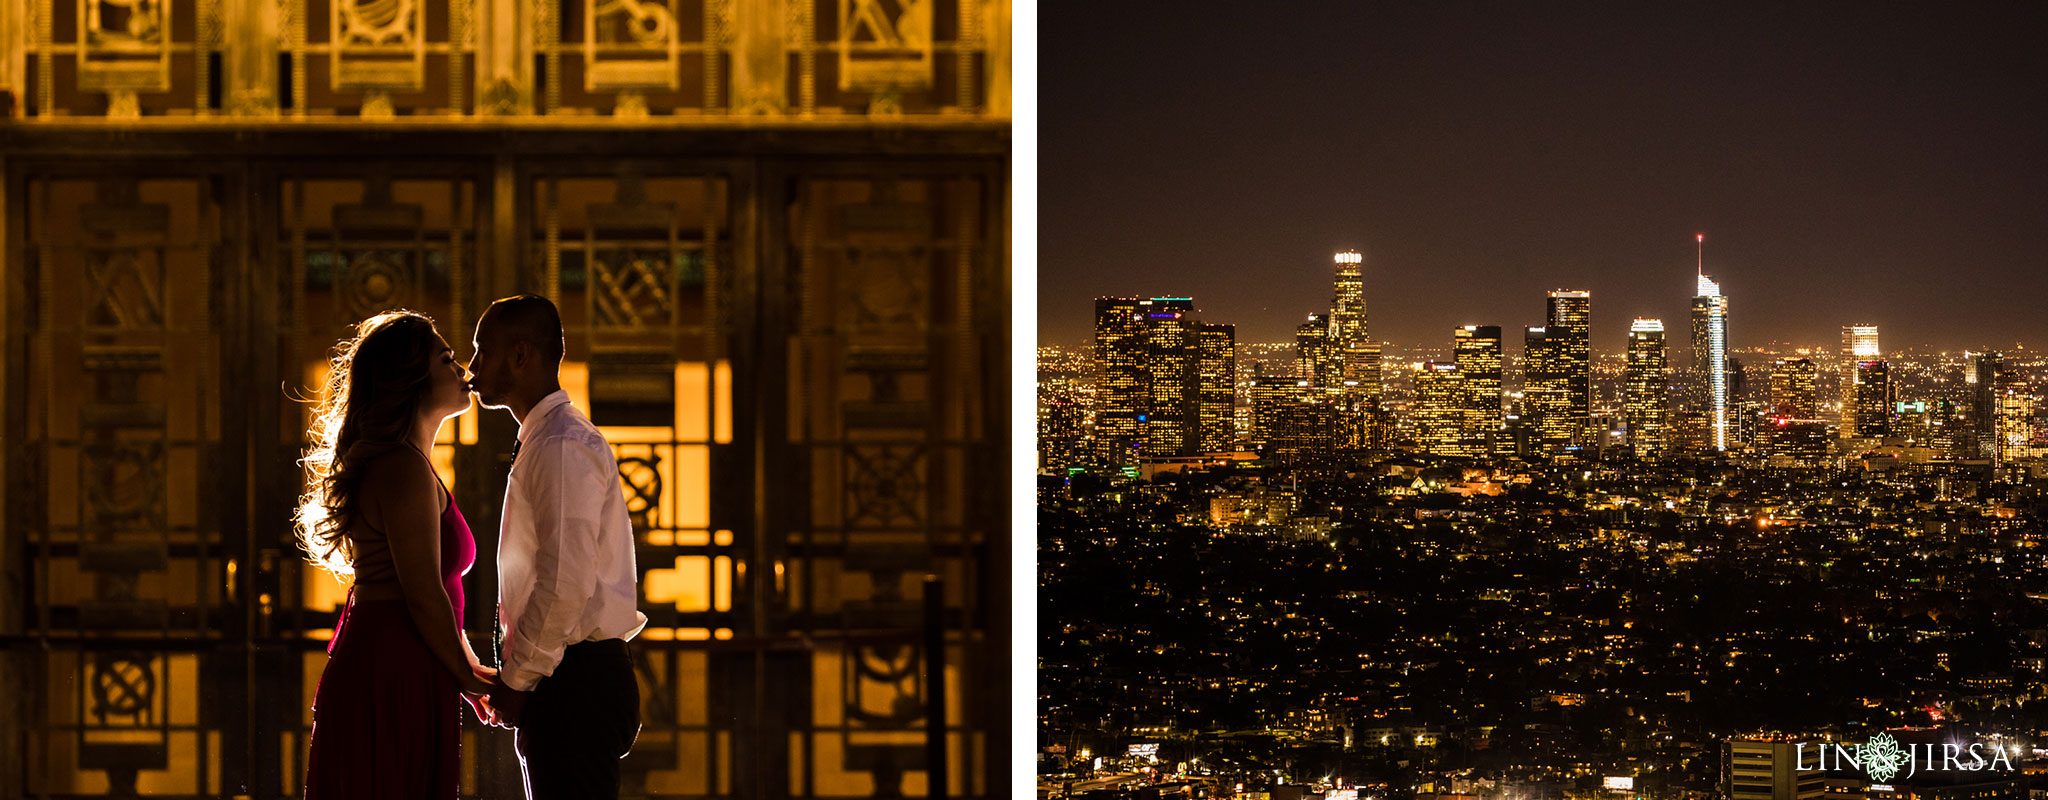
x=14, y=40
x=504, y=57
x=998, y=33
x=251, y=59
x=760, y=64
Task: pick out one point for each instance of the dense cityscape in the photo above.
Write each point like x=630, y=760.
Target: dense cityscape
x=1649, y=564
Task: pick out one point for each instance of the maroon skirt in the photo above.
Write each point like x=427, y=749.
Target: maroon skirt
x=387, y=716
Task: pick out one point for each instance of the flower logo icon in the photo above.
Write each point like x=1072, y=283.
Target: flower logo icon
x=1882, y=757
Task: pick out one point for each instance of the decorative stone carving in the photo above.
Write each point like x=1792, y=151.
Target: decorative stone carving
x=630, y=44
x=885, y=47
x=378, y=44
x=124, y=46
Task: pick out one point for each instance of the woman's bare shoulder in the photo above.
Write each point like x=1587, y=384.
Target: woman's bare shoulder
x=397, y=482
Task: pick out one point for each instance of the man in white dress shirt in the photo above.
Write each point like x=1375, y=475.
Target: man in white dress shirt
x=567, y=592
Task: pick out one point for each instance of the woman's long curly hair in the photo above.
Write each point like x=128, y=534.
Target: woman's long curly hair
x=374, y=390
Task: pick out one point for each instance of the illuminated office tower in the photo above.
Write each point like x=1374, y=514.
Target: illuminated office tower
x=1710, y=356
x=1985, y=373
x=1440, y=409
x=1266, y=392
x=2005, y=411
x=1364, y=422
x=1347, y=307
x=1546, y=398
x=1059, y=427
x=1122, y=383
x=1873, y=399
x=1743, y=412
x=1643, y=394
x=1859, y=343
x=1301, y=433
x=1216, y=364
x=1477, y=351
x=2013, y=423
x=1569, y=326
x=1358, y=376
x=1793, y=435
x=1792, y=395
x=1172, y=356
x=1316, y=356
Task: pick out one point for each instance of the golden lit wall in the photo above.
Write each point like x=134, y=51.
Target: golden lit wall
x=778, y=235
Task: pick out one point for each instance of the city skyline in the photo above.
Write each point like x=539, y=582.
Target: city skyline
x=1615, y=344
x=1881, y=162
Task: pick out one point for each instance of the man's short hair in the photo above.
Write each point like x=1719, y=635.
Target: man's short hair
x=529, y=318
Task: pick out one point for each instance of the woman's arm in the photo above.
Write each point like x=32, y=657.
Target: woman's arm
x=401, y=498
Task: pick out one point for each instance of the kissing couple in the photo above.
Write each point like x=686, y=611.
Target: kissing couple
x=386, y=716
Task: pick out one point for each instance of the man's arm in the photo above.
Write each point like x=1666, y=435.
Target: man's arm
x=564, y=488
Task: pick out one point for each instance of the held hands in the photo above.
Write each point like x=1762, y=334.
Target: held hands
x=505, y=703
x=496, y=704
x=479, y=681
x=476, y=690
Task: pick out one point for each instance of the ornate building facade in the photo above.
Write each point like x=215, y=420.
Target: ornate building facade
x=778, y=232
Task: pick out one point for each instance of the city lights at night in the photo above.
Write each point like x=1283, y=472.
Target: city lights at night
x=1436, y=478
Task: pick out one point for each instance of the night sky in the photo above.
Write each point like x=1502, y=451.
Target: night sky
x=1848, y=163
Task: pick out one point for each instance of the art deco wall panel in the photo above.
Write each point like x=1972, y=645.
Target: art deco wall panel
x=776, y=230
x=797, y=363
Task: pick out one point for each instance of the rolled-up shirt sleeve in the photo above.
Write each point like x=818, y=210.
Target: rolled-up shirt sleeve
x=564, y=484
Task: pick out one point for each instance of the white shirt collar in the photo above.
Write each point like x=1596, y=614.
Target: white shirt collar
x=539, y=413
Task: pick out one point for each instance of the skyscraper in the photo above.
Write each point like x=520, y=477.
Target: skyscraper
x=1643, y=396
x=1173, y=421
x=1873, y=399
x=1477, y=351
x=2013, y=424
x=1301, y=430
x=1710, y=355
x=1317, y=356
x=1792, y=393
x=1358, y=373
x=1568, y=325
x=1266, y=393
x=1347, y=307
x=1793, y=435
x=1986, y=370
x=1440, y=403
x=1216, y=363
x=1859, y=343
x=1546, y=396
x=1122, y=383
x=1059, y=426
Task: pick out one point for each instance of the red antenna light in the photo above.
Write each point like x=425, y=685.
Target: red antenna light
x=1703, y=238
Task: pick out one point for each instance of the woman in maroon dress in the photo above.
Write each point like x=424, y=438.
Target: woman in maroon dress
x=387, y=715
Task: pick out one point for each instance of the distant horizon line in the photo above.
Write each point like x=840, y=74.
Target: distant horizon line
x=1909, y=349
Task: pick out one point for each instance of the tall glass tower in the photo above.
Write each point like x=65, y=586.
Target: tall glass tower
x=1710, y=354
x=1173, y=423
x=1546, y=397
x=1216, y=364
x=1123, y=383
x=1477, y=350
x=1440, y=410
x=1358, y=358
x=1568, y=325
x=1859, y=343
x=1643, y=399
